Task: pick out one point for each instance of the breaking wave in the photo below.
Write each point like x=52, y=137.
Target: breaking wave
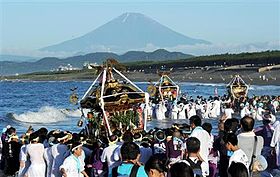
x=46, y=114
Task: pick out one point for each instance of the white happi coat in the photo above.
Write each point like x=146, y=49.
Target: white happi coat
x=175, y=110
x=217, y=107
x=37, y=166
x=49, y=160
x=160, y=111
x=59, y=153
x=73, y=166
x=182, y=111
x=192, y=111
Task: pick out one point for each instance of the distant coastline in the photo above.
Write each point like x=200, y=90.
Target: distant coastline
x=250, y=76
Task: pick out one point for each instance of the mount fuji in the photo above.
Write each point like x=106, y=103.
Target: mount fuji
x=129, y=31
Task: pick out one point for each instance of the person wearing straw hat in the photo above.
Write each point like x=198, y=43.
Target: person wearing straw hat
x=35, y=152
x=73, y=166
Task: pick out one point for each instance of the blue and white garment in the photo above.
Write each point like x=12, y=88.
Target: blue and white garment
x=73, y=166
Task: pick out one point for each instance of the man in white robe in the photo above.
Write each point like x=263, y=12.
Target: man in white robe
x=175, y=110
x=217, y=106
x=182, y=111
x=160, y=111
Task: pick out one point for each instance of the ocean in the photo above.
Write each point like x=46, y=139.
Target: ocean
x=43, y=103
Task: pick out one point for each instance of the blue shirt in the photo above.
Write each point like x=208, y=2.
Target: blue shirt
x=125, y=169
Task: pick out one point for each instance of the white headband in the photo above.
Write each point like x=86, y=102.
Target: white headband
x=76, y=147
x=62, y=138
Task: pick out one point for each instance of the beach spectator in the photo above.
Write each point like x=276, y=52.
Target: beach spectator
x=247, y=139
x=175, y=147
x=198, y=165
x=73, y=166
x=266, y=131
x=35, y=152
x=229, y=126
x=130, y=154
x=204, y=138
x=237, y=169
x=181, y=169
x=155, y=167
x=238, y=155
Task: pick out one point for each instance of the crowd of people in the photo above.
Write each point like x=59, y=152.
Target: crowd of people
x=213, y=107
x=240, y=149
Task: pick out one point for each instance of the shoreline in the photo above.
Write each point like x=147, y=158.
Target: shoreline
x=186, y=76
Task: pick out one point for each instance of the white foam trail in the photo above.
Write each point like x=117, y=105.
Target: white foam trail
x=73, y=113
x=46, y=114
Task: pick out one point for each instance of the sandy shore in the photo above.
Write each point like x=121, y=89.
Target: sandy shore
x=250, y=76
x=210, y=76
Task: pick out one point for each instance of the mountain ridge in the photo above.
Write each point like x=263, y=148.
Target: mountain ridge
x=49, y=63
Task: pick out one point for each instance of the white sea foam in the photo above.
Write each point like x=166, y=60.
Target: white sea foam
x=202, y=84
x=73, y=113
x=264, y=87
x=46, y=114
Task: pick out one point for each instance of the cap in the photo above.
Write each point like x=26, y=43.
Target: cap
x=260, y=163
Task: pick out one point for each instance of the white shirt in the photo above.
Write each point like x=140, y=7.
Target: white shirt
x=239, y=156
x=229, y=112
x=107, y=156
x=245, y=112
x=37, y=166
x=204, y=166
x=73, y=166
x=205, y=141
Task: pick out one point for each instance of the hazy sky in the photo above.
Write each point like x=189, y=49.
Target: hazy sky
x=33, y=24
